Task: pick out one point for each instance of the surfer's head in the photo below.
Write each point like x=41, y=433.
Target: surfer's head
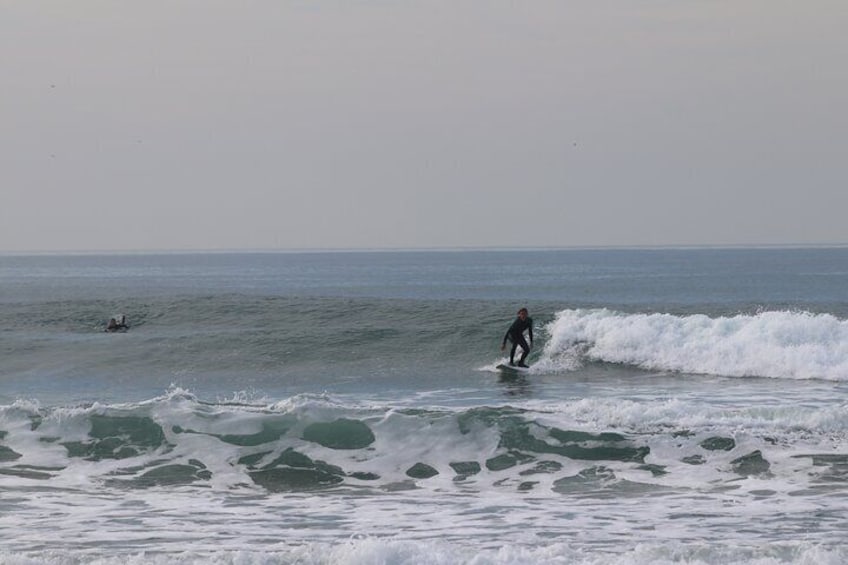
x=523, y=313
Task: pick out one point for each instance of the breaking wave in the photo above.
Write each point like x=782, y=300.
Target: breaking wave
x=789, y=345
x=293, y=479
x=315, y=442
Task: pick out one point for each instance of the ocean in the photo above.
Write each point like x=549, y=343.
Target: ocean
x=683, y=406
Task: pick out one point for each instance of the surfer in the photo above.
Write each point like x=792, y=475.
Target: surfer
x=515, y=334
x=116, y=325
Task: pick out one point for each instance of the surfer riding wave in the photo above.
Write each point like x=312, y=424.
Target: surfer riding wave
x=515, y=333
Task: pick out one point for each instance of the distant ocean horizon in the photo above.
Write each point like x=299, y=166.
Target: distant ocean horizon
x=685, y=404
x=426, y=249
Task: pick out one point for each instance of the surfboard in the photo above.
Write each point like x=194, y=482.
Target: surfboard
x=512, y=368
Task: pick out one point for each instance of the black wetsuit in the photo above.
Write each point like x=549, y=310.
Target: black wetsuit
x=515, y=334
x=116, y=326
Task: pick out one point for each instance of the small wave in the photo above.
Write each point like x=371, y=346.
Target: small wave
x=790, y=345
x=316, y=441
x=144, y=470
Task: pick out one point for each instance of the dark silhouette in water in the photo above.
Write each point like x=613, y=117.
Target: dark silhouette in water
x=118, y=324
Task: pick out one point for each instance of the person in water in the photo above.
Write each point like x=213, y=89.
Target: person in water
x=116, y=325
x=515, y=333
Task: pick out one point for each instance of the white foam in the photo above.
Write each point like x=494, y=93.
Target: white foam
x=792, y=345
x=408, y=552
x=485, y=518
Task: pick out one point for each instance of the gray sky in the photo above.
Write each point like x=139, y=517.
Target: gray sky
x=219, y=124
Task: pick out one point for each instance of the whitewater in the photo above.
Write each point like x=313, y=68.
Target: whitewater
x=683, y=406
x=789, y=345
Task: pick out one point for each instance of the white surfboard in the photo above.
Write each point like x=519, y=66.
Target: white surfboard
x=506, y=367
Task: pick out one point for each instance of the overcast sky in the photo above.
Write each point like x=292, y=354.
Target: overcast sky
x=221, y=124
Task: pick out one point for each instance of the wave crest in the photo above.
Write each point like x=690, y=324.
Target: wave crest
x=780, y=344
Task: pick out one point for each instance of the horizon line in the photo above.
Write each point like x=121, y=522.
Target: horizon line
x=422, y=249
